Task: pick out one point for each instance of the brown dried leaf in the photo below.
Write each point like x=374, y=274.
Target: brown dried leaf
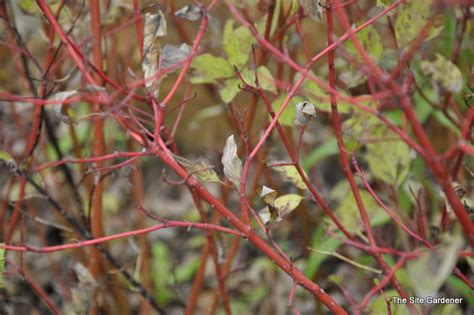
x=305, y=111
x=312, y=8
x=173, y=55
x=61, y=110
x=190, y=12
x=154, y=27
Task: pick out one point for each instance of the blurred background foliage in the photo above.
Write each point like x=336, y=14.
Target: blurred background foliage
x=441, y=66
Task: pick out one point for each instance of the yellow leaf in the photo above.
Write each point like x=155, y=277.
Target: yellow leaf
x=289, y=173
x=200, y=167
x=444, y=73
x=286, y=204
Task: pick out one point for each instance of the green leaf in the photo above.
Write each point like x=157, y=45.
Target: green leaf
x=113, y=14
x=29, y=191
x=6, y=157
x=384, y=3
x=378, y=306
x=429, y=271
x=290, y=6
x=2, y=264
x=289, y=114
x=389, y=161
x=320, y=152
x=422, y=108
x=461, y=287
x=320, y=98
x=388, y=157
x=230, y=90
x=111, y=202
x=315, y=259
x=412, y=18
x=421, y=99
x=209, y=112
x=255, y=295
x=237, y=43
x=289, y=173
x=349, y=215
x=451, y=309
x=265, y=78
x=401, y=273
x=360, y=126
x=204, y=171
x=276, y=17
x=209, y=69
x=231, y=86
x=28, y=7
x=371, y=43
x=444, y=73
x=161, y=271
x=185, y=271
x=442, y=119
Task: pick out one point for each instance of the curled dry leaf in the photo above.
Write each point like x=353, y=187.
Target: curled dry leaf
x=305, y=111
x=83, y=292
x=172, y=54
x=190, y=12
x=312, y=8
x=83, y=275
x=154, y=27
x=231, y=162
x=269, y=216
x=59, y=109
x=268, y=195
